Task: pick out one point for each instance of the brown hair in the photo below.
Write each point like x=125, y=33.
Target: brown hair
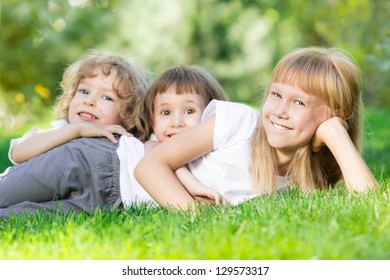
x=185, y=79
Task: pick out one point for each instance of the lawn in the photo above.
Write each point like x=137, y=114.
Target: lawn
x=329, y=225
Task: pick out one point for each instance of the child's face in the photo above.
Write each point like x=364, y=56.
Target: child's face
x=175, y=113
x=96, y=101
x=291, y=116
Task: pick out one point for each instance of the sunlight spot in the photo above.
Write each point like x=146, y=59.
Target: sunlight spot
x=77, y=3
x=19, y=97
x=37, y=41
x=58, y=25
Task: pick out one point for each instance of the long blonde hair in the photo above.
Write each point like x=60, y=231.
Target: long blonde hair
x=331, y=75
x=130, y=83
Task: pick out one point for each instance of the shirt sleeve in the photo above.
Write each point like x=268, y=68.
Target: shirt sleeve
x=234, y=122
x=31, y=132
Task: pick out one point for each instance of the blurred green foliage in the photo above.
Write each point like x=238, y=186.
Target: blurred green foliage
x=238, y=40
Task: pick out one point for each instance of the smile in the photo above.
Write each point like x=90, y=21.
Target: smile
x=278, y=126
x=88, y=116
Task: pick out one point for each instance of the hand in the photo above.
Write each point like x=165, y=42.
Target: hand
x=206, y=195
x=100, y=130
x=326, y=130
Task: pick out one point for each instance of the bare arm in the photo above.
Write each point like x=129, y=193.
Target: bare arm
x=334, y=135
x=195, y=188
x=190, y=183
x=46, y=140
x=164, y=186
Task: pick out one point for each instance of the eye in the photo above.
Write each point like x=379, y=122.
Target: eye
x=190, y=111
x=107, y=98
x=83, y=91
x=276, y=94
x=299, y=103
x=165, y=112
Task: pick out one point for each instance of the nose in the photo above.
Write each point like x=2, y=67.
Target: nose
x=281, y=111
x=177, y=121
x=90, y=101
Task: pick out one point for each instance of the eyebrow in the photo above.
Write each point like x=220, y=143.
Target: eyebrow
x=187, y=100
x=104, y=88
x=301, y=94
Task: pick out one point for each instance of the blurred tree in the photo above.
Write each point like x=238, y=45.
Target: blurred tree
x=239, y=40
x=39, y=38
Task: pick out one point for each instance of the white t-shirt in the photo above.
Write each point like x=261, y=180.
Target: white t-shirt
x=130, y=151
x=227, y=168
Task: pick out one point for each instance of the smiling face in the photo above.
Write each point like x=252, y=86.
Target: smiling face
x=291, y=116
x=174, y=113
x=96, y=101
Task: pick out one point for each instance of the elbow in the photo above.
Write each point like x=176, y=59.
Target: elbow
x=138, y=171
x=16, y=157
x=364, y=188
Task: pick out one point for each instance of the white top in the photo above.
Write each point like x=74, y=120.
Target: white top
x=32, y=131
x=227, y=168
x=130, y=151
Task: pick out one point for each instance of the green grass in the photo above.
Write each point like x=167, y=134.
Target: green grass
x=329, y=225
x=323, y=225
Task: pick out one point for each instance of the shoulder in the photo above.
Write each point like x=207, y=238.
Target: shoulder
x=234, y=122
x=218, y=108
x=58, y=123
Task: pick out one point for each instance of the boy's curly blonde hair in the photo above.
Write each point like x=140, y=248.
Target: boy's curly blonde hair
x=130, y=84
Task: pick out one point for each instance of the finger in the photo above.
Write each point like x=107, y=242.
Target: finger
x=217, y=199
x=315, y=149
x=200, y=199
x=111, y=137
x=224, y=201
x=212, y=197
x=204, y=200
x=344, y=123
x=117, y=129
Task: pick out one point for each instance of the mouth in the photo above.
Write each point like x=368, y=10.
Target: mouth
x=87, y=116
x=279, y=126
x=171, y=135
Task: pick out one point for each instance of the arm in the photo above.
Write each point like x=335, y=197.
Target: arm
x=46, y=140
x=188, y=180
x=334, y=135
x=164, y=186
x=195, y=188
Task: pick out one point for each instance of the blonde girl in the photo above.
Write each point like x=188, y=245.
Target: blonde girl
x=307, y=133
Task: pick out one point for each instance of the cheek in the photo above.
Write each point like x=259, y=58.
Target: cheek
x=306, y=124
x=71, y=110
x=195, y=122
x=266, y=108
x=158, y=124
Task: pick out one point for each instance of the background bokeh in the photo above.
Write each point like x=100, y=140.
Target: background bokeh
x=239, y=41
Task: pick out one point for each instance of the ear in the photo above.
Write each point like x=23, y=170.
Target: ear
x=340, y=113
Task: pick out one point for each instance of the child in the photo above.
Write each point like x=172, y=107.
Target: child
x=103, y=95
x=308, y=133
x=174, y=103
